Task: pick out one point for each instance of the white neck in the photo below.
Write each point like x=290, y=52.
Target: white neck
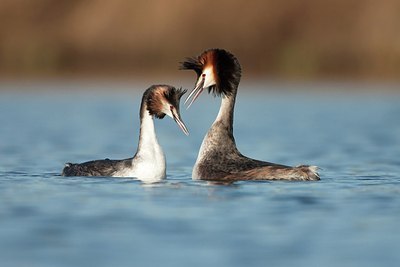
x=149, y=164
x=148, y=144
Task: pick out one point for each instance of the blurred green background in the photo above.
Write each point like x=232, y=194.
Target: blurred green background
x=311, y=39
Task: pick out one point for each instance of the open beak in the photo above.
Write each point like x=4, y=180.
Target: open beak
x=194, y=94
x=178, y=120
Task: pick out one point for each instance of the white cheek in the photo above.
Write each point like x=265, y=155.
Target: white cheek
x=167, y=110
x=209, y=77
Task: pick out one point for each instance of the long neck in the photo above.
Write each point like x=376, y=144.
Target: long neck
x=226, y=111
x=148, y=146
x=220, y=136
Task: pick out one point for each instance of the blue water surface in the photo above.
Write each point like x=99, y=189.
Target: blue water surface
x=349, y=218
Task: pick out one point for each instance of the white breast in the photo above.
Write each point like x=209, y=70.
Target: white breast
x=146, y=170
x=149, y=163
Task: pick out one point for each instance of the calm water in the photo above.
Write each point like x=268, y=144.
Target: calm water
x=349, y=218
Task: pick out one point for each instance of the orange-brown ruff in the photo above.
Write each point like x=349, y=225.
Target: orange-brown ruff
x=219, y=159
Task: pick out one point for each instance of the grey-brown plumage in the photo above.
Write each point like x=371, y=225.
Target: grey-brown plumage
x=104, y=167
x=219, y=159
x=148, y=164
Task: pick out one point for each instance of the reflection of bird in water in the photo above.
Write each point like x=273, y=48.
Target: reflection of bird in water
x=148, y=164
x=218, y=158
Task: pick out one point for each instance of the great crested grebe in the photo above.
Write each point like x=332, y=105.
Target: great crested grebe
x=218, y=158
x=148, y=164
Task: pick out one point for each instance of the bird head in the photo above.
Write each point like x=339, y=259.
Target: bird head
x=164, y=100
x=216, y=69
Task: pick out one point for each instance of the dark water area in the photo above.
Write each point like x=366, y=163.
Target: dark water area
x=349, y=218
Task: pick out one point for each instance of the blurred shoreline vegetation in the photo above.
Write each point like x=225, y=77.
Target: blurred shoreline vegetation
x=291, y=39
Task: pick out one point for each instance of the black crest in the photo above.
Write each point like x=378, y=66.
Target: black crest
x=192, y=63
x=174, y=95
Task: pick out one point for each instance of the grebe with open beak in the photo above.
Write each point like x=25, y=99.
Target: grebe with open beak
x=148, y=164
x=218, y=158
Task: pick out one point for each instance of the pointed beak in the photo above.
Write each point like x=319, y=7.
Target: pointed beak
x=194, y=94
x=178, y=120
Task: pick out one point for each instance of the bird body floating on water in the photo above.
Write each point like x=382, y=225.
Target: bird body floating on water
x=219, y=159
x=148, y=164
